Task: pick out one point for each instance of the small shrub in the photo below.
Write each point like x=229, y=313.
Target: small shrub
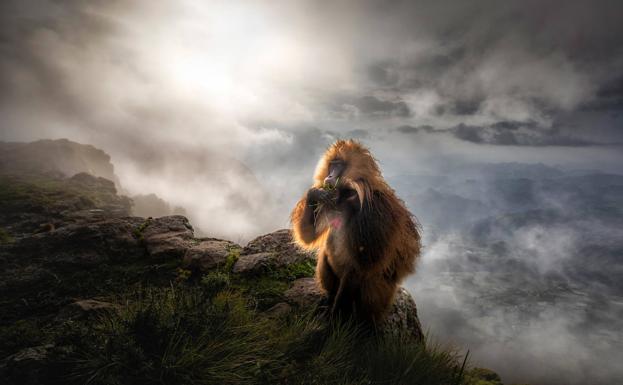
x=5, y=237
x=232, y=257
x=138, y=232
x=215, y=282
x=183, y=275
x=295, y=271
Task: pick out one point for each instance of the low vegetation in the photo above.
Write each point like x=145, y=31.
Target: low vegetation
x=168, y=325
x=209, y=334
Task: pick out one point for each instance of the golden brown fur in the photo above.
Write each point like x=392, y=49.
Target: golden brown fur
x=365, y=238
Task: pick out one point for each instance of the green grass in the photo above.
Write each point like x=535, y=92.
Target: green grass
x=40, y=191
x=200, y=335
x=5, y=237
x=267, y=289
x=232, y=257
x=138, y=232
x=294, y=271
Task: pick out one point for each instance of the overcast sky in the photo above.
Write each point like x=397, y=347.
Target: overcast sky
x=424, y=83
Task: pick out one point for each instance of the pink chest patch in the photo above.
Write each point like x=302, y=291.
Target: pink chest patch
x=336, y=223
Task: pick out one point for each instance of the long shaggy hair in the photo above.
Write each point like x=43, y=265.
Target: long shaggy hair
x=360, y=264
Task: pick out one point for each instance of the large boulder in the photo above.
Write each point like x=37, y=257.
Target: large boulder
x=208, y=254
x=254, y=263
x=401, y=319
x=281, y=244
x=273, y=250
x=402, y=316
x=304, y=292
x=85, y=243
x=167, y=237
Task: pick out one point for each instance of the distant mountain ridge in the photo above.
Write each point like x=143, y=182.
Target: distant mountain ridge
x=63, y=158
x=60, y=156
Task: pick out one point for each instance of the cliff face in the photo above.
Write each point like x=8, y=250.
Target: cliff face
x=72, y=255
x=60, y=157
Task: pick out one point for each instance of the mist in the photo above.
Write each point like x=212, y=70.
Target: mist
x=476, y=112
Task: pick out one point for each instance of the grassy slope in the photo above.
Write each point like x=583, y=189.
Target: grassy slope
x=171, y=327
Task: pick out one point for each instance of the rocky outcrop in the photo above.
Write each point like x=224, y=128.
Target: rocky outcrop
x=167, y=237
x=402, y=317
x=255, y=263
x=69, y=242
x=270, y=251
x=85, y=308
x=281, y=244
x=304, y=293
x=59, y=157
x=208, y=254
x=38, y=204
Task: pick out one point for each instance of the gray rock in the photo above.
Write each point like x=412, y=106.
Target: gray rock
x=278, y=310
x=208, y=254
x=304, y=293
x=281, y=243
x=85, y=308
x=28, y=366
x=85, y=244
x=254, y=263
x=167, y=237
x=401, y=319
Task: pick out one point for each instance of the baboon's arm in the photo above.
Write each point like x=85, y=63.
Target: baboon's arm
x=307, y=222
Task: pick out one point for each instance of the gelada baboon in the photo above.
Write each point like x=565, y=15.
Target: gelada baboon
x=366, y=239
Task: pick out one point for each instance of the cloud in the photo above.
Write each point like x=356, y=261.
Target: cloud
x=368, y=107
x=510, y=133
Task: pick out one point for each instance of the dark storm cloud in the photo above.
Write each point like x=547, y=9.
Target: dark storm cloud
x=406, y=129
x=506, y=133
x=509, y=133
x=368, y=106
x=501, y=61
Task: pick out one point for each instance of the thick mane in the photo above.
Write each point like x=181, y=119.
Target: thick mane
x=362, y=174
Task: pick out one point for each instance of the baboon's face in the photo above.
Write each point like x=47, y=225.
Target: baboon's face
x=336, y=169
x=338, y=178
x=349, y=168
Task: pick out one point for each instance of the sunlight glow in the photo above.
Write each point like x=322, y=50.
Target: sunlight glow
x=229, y=55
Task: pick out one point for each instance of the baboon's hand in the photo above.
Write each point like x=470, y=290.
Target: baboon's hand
x=316, y=195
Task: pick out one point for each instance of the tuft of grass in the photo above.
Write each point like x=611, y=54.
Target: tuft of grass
x=215, y=281
x=5, y=237
x=232, y=257
x=183, y=275
x=330, y=187
x=138, y=232
x=294, y=271
x=267, y=289
x=482, y=376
